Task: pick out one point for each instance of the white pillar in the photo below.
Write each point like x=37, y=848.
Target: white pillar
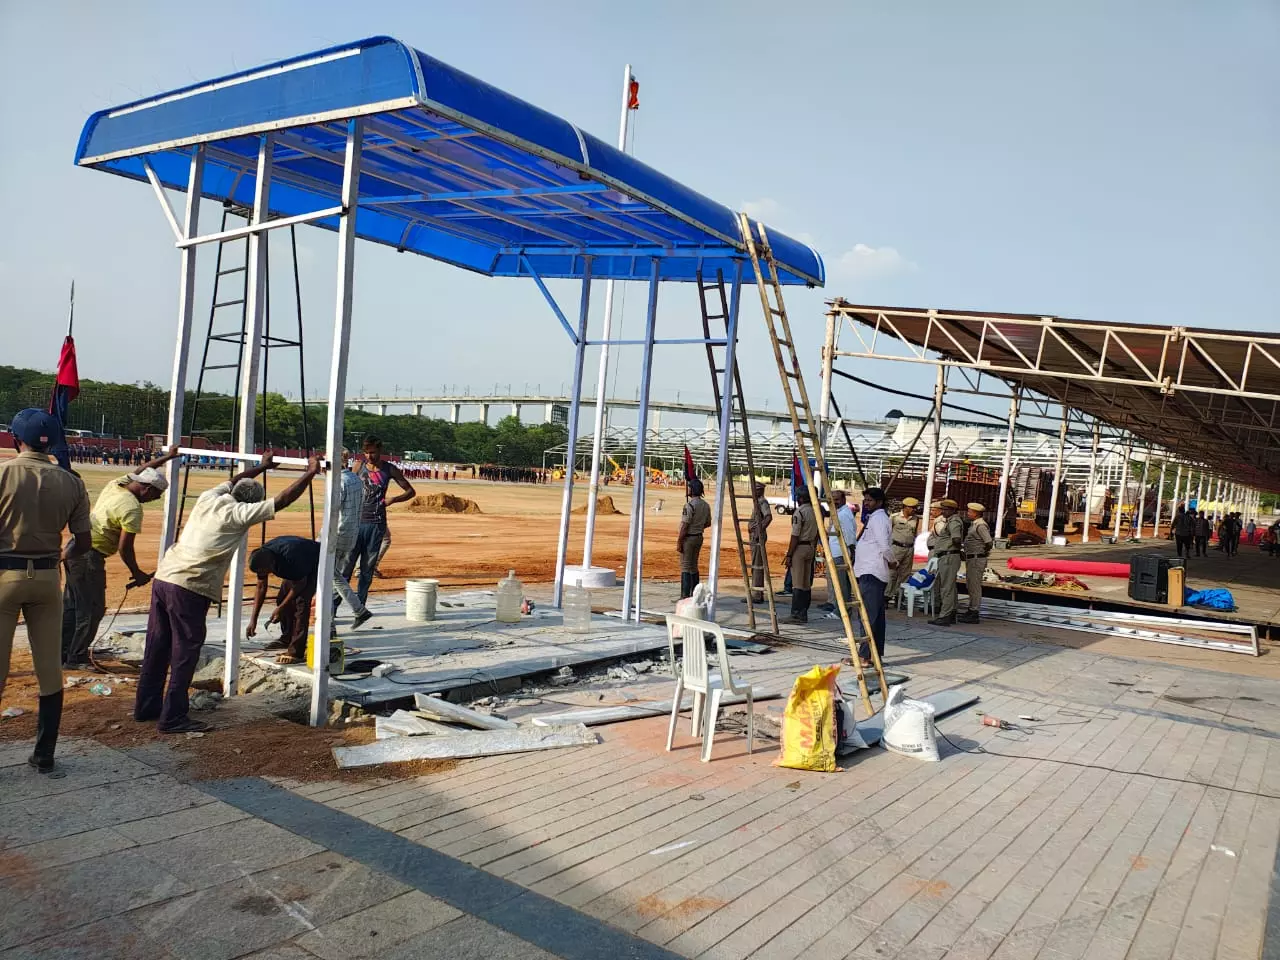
x=602, y=376
x=575, y=406
x=1173, y=502
x=724, y=475
x=182, y=344
x=518, y=408
x=1155, y=530
x=1006, y=465
x=1142, y=492
x=1093, y=470
x=939, y=390
x=484, y=414
x=635, y=538
x=455, y=411
x=334, y=419
x=417, y=409
x=1124, y=482
x=1056, y=489
x=251, y=354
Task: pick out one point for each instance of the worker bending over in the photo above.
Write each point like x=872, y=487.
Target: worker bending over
x=38, y=499
x=296, y=561
x=976, y=548
x=116, y=519
x=189, y=578
x=944, y=546
x=799, y=559
x=904, y=527
x=694, y=519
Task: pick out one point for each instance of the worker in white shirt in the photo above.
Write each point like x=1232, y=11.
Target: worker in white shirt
x=849, y=527
x=873, y=566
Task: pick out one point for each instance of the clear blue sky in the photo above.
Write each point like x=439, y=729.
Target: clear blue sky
x=1098, y=160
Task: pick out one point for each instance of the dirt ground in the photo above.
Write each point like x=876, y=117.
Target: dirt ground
x=516, y=529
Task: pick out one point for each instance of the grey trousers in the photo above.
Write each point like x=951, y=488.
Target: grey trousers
x=945, y=585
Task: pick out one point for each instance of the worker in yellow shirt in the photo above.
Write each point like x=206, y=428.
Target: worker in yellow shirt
x=116, y=519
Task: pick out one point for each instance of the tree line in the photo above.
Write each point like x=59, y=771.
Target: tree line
x=133, y=410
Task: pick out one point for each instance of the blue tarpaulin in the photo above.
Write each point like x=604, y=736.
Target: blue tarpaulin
x=1215, y=599
x=453, y=168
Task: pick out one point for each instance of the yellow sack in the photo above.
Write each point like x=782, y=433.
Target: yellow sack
x=809, y=722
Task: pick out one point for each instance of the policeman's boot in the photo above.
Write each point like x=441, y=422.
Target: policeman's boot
x=799, y=606
x=969, y=616
x=944, y=621
x=48, y=719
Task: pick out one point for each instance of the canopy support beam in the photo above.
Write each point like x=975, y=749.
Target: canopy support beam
x=631, y=588
x=724, y=475
x=575, y=406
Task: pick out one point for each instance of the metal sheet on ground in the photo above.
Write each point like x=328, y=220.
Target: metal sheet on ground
x=481, y=743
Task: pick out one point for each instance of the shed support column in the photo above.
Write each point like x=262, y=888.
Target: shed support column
x=182, y=345
x=1155, y=529
x=1124, y=482
x=334, y=419
x=724, y=475
x=635, y=537
x=251, y=354
x=939, y=389
x=1088, y=489
x=1142, y=494
x=575, y=406
x=1056, y=489
x=1173, y=501
x=1006, y=465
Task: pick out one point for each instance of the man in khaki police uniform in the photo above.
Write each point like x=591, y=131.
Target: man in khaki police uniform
x=975, y=549
x=944, y=541
x=758, y=530
x=38, y=499
x=695, y=518
x=903, y=527
x=799, y=558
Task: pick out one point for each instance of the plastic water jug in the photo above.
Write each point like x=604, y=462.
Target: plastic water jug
x=576, y=605
x=510, y=597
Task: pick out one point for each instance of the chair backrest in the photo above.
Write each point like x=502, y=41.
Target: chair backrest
x=932, y=565
x=693, y=638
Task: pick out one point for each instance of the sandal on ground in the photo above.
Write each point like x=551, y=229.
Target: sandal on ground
x=187, y=726
x=287, y=658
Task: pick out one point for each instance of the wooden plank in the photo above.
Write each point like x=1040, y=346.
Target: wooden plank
x=483, y=743
x=439, y=709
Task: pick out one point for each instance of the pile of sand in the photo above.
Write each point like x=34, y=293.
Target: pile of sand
x=604, y=507
x=442, y=503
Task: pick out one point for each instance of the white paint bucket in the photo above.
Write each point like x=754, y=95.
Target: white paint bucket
x=420, y=599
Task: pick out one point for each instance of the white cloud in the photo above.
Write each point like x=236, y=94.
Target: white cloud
x=766, y=209
x=865, y=262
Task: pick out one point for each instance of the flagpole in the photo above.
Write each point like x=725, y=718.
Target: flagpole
x=71, y=313
x=597, y=441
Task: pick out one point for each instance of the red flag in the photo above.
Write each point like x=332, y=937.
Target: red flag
x=68, y=375
x=633, y=95
x=689, y=471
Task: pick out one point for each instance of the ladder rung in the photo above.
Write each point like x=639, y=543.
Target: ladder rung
x=221, y=366
x=227, y=303
x=225, y=270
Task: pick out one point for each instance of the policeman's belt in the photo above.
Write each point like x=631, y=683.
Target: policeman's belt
x=976, y=556
x=947, y=553
x=10, y=562
x=899, y=543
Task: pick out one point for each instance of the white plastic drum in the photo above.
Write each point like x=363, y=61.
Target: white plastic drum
x=420, y=599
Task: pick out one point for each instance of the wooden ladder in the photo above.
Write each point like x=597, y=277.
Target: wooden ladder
x=717, y=311
x=808, y=443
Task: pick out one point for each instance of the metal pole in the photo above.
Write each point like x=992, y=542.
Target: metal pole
x=251, y=354
x=1056, y=489
x=1088, y=490
x=939, y=388
x=602, y=377
x=828, y=362
x=1142, y=492
x=182, y=344
x=1006, y=465
x=724, y=475
x=1124, y=482
x=579, y=355
x=334, y=417
x=635, y=537
x=1173, y=502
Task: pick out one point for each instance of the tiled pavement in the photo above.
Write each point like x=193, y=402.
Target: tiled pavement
x=1137, y=817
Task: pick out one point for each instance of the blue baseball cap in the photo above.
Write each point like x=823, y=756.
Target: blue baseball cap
x=35, y=428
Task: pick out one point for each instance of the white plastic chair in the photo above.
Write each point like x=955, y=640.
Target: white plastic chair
x=693, y=675
x=910, y=593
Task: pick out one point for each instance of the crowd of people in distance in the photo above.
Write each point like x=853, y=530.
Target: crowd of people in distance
x=489, y=471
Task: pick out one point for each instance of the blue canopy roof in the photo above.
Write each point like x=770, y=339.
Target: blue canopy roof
x=452, y=168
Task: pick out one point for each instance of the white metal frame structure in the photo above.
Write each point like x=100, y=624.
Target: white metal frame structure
x=377, y=141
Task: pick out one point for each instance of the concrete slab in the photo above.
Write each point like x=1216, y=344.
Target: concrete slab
x=227, y=852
